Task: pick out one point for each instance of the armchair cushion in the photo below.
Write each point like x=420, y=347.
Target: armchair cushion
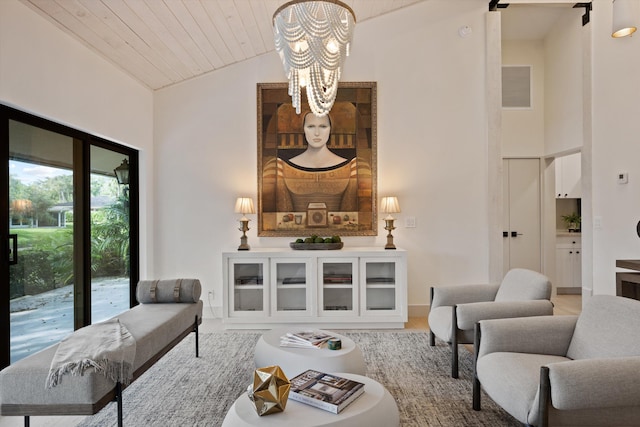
x=520, y=284
x=604, y=331
x=595, y=383
x=511, y=379
x=470, y=314
x=462, y=294
x=539, y=335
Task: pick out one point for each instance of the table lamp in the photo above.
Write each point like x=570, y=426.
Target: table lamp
x=389, y=205
x=244, y=205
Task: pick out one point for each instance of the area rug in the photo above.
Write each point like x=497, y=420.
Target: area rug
x=182, y=390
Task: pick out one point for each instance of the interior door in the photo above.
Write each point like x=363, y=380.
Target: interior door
x=522, y=237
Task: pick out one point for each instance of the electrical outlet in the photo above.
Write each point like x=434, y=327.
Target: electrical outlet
x=410, y=222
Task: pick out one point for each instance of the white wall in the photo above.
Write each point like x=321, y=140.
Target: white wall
x=523, y=128
x=51, y=75
x=616, y=148
x=432, y=149
x=563, y=84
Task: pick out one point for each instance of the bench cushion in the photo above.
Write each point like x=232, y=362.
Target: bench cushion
x=168, y=291
x=22, y=384
x=155, y=325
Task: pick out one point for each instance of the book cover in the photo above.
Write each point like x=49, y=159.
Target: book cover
x=325, y=391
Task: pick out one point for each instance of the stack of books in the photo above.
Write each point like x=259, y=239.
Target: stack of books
x=305, y=339
x=325, y=391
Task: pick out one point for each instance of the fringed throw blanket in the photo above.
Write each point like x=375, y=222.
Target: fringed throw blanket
x=107, y=347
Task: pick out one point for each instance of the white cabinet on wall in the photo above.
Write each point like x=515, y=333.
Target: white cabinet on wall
x=568, y=177
x=348, y=288
x=568, y=264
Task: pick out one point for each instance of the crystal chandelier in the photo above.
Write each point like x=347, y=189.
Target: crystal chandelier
x=312, y=38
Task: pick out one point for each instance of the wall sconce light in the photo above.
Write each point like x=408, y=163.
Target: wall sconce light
x=122, y=175
x=244, y=205
x=625, y=15
x=389, y=205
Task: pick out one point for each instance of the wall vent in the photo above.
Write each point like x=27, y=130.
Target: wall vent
x=516, y=86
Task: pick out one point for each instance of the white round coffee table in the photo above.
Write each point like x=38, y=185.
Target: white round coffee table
x=294, y=361
x=376, y=407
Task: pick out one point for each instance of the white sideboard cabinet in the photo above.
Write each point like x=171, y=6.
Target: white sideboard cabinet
x=347, y=288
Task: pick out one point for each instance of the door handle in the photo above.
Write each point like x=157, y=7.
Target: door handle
x=505, y=234
x=514, y=234
x=13, y=250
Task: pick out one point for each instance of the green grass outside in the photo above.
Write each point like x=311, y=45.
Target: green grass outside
x=29, y=237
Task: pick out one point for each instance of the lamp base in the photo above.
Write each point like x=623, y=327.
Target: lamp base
x=389, y=227
x=244, y=246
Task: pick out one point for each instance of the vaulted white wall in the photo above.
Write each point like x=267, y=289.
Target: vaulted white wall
x=523, y=128
x=47, y=73
x=563, y=55
x=432, y=149
x=616, y=148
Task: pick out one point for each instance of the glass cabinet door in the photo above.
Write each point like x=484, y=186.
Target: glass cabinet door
x=337, y=294
x=247, y=281
x=291, y=286
x=380, y=286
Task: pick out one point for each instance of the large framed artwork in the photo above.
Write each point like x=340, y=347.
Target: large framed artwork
x=317, y=175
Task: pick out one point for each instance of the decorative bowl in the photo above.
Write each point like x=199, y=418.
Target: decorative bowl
x=315, y=246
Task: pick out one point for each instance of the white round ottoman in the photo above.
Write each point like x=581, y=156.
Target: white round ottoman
x=294, y=361
x=375, y=408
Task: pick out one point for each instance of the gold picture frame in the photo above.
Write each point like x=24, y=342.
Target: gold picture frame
x=340, y=200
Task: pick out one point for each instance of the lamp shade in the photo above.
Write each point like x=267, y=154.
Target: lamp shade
x=244, y=205
x=626, y=14
x=389, y=205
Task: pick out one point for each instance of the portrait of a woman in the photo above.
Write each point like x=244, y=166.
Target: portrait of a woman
x=316, y=174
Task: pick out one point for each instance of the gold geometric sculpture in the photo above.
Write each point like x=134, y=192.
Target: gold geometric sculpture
x=270, y=390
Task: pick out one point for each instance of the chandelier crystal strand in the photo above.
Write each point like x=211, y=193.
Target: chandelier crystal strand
x=312, y=38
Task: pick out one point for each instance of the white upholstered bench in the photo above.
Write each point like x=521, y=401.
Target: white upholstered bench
x=165, y=316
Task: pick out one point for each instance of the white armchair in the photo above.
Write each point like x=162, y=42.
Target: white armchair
x=455, y=310
x=564, y=370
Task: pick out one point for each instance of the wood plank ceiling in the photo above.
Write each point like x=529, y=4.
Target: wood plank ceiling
x=164, y=42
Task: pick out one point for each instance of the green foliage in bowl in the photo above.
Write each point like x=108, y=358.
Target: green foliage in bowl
x=319, y=239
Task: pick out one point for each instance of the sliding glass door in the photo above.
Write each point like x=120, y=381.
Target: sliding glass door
x=110, y=243
x=41, y=213
x=71, y=256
